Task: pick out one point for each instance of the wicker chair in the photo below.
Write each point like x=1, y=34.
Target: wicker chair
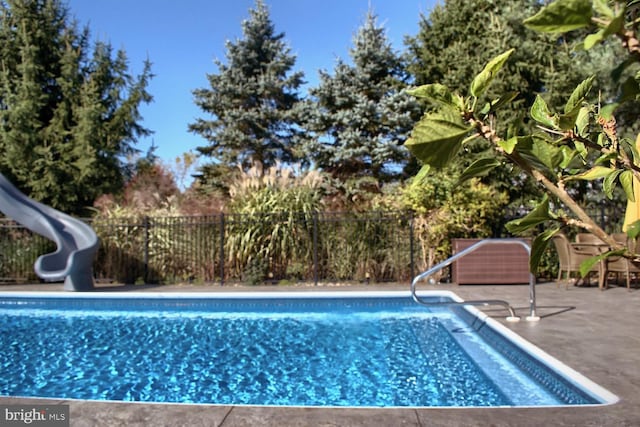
x=571, y=257
x=622, y=265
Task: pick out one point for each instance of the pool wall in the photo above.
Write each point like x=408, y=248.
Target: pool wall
x=560, y=379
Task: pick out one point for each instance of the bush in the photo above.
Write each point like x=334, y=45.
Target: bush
x=445, y=209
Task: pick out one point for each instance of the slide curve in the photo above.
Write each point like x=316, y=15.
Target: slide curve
x=76, y=241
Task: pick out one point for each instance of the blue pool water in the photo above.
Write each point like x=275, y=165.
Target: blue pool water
x=302, y=351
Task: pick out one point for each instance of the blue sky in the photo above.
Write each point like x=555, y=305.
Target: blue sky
x=182, y=39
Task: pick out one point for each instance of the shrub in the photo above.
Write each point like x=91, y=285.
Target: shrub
x=273, y=215
x=445, y=210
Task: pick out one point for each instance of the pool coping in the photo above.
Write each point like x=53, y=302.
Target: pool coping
x=588, y=329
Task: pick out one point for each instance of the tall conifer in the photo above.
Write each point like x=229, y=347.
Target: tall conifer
x=251, y=100
x=68, y=115
x=359, y=116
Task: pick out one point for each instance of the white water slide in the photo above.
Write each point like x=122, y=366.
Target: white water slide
x=76, y=242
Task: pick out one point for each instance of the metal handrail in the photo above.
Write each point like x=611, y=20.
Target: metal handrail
x=512, y=314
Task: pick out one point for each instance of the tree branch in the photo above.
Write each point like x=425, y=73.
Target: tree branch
x=585, y=221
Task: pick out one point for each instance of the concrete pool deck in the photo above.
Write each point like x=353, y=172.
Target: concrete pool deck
x=595, y=332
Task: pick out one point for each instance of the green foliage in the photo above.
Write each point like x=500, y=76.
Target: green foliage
x=579, y=144
x=252, y=99
x=272, y=213
x=255, y=272
x=537, y=216
x=19, y=249
x=562, y=16
x=438, y=137
x=371, y=246
x=459, y=37
x=541, y=258
x=445, y=209
x=122, y=243
x=69, y=112
x=481, y=82
x=358, y=115
x=130, y=233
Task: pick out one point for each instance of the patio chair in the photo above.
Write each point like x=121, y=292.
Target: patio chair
x=620, y=264
x=589, y=239
x=571, y=257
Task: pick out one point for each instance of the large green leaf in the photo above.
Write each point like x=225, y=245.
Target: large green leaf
x=537, y=216
x=496, y=104
x=550, y=155
x=582, y=122
x=482, y=81
x=568, y=121
x=568, y=157
x=541, y=114
x=480, y=167
x=606, y=158
x=616, y=25
x=422, y=173
x=561, y=16
x=609, y=183
x=587, y=265
x=578, y=95
x=626, y=180
x=592, y=174
x=529, y=149
x=631, y=149
x=437, y=138
x=593, y=39
x=438, y=93
x=539, y=246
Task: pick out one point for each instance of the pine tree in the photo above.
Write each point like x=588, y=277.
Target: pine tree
x=252, y=100
x=67, y=118
x=359, y=116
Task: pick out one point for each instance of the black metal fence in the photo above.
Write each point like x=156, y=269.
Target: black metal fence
x=234, y=248
x=282, y=248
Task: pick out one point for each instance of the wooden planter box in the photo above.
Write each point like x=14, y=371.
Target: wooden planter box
x=491, y=264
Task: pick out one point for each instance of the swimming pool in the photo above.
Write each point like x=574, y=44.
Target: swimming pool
x=373, y=349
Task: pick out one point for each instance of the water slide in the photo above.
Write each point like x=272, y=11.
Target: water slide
x=76, y=242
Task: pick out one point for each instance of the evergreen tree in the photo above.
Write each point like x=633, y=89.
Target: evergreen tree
x=252, y=100
x=359, y=116
x=67, y=118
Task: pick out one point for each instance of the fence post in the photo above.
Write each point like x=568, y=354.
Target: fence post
x=315, y=248
x=145, y=224
x=222, y=249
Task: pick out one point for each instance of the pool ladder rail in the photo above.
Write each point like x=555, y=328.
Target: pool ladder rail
x=532, y=317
